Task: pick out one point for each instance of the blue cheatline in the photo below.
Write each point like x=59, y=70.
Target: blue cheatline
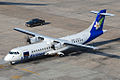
x=32, y=56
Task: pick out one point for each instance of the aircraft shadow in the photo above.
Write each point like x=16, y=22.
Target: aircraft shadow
x=46, y=23
x=104, y=42
x=26, y=4
x=79, y=51
x=105, y=54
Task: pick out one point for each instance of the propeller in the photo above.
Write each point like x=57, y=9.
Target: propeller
x=27, y=38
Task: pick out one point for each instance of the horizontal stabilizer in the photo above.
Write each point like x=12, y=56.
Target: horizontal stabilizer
x=106, y=14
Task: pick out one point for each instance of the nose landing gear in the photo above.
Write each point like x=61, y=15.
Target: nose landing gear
x=12, y=63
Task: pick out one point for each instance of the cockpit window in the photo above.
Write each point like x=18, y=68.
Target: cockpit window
x=13, y=52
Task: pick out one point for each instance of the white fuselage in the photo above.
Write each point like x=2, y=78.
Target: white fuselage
x=44, y=47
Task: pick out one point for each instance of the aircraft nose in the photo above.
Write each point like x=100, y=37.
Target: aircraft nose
x=7, y=58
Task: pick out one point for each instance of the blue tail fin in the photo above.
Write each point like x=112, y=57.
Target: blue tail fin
x=99, y=21
x=96, y=28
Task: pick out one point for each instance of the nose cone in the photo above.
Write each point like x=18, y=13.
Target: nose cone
x=7, y=58
x=11, y=58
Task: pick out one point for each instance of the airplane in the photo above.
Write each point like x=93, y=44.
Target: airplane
x=55, y=46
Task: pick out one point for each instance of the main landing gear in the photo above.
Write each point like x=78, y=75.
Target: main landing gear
x=60, y=54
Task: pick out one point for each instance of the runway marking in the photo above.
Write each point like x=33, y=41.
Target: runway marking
x=29, y=71
x=1, y=66
x=16, y=77
x=24, y=69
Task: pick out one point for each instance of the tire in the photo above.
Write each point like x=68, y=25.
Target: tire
x=61, y=55
x=39, y=24
x=28, y=25
x=12, y=63
x=43, y=22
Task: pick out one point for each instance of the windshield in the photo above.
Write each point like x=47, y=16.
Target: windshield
x=13, y=52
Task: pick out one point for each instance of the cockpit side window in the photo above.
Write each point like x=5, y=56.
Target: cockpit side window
x=13, y=52
x=10, y=52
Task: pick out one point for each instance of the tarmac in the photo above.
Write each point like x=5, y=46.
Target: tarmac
x=63, y=17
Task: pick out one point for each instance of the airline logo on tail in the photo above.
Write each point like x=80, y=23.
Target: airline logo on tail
x=98, y=24
x=96, y=28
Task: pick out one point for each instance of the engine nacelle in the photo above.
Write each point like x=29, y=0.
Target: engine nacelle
x=34, y=40
x=58, y=46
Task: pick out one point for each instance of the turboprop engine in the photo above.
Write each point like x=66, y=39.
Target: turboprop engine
x=33, y=39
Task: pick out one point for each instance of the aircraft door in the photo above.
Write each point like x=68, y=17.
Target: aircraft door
x=26, y=55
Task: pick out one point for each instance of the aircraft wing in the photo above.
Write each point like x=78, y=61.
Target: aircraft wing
x=81, y=45
x=68, y=43
x=65, y=42
x=30, y=33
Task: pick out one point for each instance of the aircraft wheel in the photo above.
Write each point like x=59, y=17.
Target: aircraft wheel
x=61, y=55
x=28, y=25
x=12, y=63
